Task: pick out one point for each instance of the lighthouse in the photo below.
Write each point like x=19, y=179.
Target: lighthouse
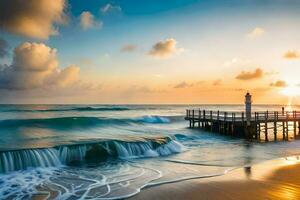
x=248, y=103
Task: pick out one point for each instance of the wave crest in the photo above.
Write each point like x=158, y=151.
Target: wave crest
x=153, y=119
x=77, y=122
x=87, y=153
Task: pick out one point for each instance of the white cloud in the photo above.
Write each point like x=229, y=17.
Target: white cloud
x=87, y=21
x=237, y=62
x=110, y=8
x=35, y=65
x=256, y=33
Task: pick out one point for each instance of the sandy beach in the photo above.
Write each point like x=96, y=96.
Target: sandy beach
x=275, y=179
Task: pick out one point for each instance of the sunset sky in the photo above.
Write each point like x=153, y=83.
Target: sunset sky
x=150, y=51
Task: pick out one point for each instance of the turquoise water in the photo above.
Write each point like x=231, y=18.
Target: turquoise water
x=113, y=151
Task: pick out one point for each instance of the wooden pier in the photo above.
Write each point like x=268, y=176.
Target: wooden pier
x=266, y=125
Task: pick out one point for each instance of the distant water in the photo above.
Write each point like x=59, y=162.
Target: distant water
x=113, y=151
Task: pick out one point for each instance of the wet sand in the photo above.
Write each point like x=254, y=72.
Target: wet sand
x=275, y=179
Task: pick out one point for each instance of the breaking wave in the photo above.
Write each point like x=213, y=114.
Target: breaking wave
x=87, y=153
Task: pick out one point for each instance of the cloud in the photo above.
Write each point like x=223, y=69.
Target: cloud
x=35, y=65
x=231, y=62
x=256, y=33
x=217, y=82
x=3, y=48
x=199, y=82
x=128, y=48
x=32, y=18
x=271, y=73
x=279, y=83
x=66, y=76
x=291, y=55
x=165, y=49
x=110, y=8
x=258, y=73
x=87, y=21
x=237, y=62
x=86, y=62
x=158, y=75
x=183, y=84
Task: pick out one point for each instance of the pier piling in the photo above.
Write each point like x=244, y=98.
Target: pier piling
x=247, y=124
x=235, y=123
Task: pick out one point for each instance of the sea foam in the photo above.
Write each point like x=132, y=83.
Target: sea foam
x=87, y=153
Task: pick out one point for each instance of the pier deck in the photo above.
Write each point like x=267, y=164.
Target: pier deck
x=250, y=126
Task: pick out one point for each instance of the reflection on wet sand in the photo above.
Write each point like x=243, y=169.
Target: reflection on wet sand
x=247, y=171
x=276, y=179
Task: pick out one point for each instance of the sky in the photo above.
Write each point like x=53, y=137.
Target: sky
x=149, y=52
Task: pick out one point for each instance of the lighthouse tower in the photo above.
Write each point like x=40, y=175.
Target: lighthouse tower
x=248, y=103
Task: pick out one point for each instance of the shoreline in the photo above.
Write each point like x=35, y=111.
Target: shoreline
x=272, y=179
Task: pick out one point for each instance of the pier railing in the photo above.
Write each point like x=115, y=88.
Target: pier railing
x=197, y=114
x=249, y=125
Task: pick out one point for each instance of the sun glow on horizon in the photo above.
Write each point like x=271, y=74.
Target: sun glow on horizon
x=291, y=91
x=149, y=53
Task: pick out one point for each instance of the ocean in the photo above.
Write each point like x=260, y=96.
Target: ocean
x=114, y=151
